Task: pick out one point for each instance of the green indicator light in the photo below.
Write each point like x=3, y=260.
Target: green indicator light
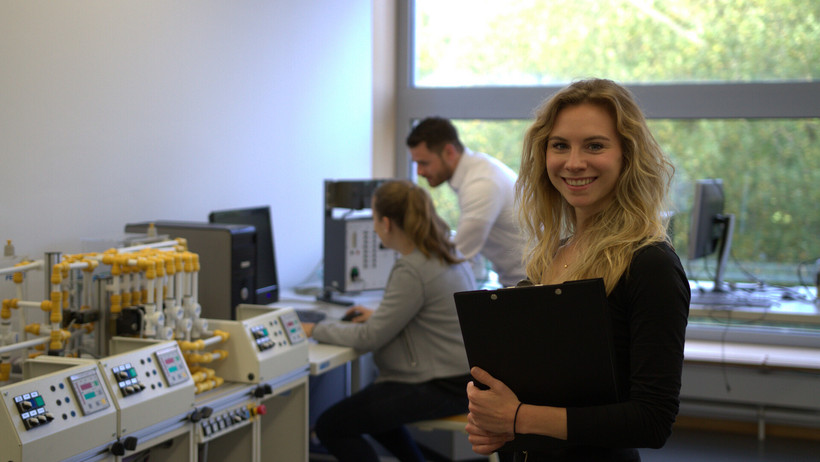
x=90, y=395
x=38, y=401
x=172, y=369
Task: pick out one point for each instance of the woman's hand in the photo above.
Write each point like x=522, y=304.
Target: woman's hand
x=492, y=413
x=485, y=443
x=362, y=314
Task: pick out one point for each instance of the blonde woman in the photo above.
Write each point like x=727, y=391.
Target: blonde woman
x=414, y=334
x=592, y=187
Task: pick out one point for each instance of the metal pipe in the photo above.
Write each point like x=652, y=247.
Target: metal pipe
x=28, y=266
x=169, y=243
x=51, y=259
x=23, y=344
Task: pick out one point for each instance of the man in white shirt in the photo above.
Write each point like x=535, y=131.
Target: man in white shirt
x=486, y=196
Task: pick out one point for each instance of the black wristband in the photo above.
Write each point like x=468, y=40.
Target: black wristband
x=515, y=418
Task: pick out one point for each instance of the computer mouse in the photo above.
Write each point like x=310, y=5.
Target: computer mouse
x=787, y=296
x=349, y=316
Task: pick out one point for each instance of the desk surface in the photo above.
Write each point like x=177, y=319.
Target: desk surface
x=792, y=306
x=323, y=357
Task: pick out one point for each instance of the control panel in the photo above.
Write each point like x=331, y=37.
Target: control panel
x=57, y=415
x=367, y=262
x=33, y=410
x=222, y=422
x=150, y=383
x=264, y=343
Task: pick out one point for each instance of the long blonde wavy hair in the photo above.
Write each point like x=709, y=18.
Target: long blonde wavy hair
x=635, y=217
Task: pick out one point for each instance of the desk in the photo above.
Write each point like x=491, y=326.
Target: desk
x=795, y=307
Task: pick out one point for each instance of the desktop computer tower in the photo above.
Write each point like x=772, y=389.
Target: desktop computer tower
x=227, y=260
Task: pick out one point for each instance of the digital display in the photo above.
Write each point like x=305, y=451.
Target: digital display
x=89, y=391
x=173, y=365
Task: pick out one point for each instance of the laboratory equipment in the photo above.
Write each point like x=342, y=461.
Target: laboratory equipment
x=354, y=257
x=227, y=254
x=60, y=411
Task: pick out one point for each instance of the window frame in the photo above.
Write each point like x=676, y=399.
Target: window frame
x=659, y=101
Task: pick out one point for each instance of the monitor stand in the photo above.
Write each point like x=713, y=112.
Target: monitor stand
x=727, y=224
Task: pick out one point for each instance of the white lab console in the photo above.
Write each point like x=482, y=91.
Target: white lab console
x=61, y=411
x=260, y=412
x=265, y=343
x=150, y=384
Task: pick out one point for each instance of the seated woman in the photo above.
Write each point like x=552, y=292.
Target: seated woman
x=414, y=334
x=592, y=185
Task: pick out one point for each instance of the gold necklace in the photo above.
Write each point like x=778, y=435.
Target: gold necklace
x=564, y=250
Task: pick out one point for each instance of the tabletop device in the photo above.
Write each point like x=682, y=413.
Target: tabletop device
x=227, y=255
x=265, y=343
x=551, y=344
x=267, y=281
x=354, y=257
x=61, y=410
x=150, y=384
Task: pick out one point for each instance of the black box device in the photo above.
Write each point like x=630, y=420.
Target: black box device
x=227, y=260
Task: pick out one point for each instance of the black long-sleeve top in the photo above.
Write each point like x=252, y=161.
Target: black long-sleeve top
x=649, y=308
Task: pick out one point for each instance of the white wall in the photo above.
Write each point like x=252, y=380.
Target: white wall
x=131, y=110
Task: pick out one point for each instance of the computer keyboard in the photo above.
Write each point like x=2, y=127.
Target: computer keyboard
x=731, y=299
x=313, y=316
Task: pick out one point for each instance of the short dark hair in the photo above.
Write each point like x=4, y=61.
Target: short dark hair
x=436, y=132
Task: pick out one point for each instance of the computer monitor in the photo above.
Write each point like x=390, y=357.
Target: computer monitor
x=710, y=228
x=267, y=282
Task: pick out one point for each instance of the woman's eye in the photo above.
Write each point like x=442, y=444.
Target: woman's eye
x=559, y=145
x=595, y=147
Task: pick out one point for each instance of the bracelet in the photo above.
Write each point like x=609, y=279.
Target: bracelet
x=515, y=418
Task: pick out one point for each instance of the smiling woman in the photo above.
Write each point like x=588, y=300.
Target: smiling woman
x=592, y=208
x=584, y=158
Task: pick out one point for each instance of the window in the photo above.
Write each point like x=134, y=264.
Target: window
x=520, y=42
x=732, y=90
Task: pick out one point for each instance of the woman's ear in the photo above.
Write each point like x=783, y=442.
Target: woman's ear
x=386, y=224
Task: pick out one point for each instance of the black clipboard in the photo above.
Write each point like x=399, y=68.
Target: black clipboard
x=551, y=344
